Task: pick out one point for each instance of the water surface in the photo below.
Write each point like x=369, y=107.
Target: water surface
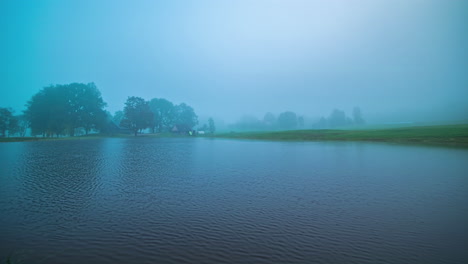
x=184, y=200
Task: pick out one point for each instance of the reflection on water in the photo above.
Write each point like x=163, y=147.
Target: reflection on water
x=184, y=200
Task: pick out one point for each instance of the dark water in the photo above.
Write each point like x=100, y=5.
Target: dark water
x=220, y=201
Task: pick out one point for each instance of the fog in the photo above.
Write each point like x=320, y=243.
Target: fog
x=399, y=60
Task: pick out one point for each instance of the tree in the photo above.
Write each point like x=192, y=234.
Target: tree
x=88, y=106
x=137, y=114
x=18, y=125
x=287, y=120
x=269, y=119
x=38, y=112
x=357, y=116
x=248, y=122
x=163, y=114
x=107, y=126
x=211, y=125
x=6, y=120
x=118, y=116
x=322, y=123
x=337, y=118
x=60, y=109
x=300, y=121
x=185, y=116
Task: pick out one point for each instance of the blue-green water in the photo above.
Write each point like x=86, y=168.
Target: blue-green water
x=184, y=200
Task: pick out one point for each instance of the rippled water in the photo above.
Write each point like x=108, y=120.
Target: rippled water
x=144, y=200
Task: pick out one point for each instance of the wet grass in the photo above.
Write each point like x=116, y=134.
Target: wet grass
x=91, y=136
x=444, y=135
x=23, y=139
x=448, y=135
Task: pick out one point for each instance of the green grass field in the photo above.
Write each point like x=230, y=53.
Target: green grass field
x=446, y=135
x=22, y=139
x=85, y=137
x=453, y=135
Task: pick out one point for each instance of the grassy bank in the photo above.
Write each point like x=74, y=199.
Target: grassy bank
x=23, y=139
x=450, y=135
x=84, y=137
x=446, y=135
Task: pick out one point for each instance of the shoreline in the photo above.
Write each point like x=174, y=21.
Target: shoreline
x=443, y=135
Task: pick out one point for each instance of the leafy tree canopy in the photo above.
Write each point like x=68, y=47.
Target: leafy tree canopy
x=60, y=109
x=6, y=120
x=287, y=120
x=137, y=114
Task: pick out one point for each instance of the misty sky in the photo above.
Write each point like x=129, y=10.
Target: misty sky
x=399, y=60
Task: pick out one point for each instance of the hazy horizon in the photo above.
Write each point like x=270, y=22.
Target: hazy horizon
x=396, y=60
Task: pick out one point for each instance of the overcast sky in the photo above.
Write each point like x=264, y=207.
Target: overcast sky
x=396, y=59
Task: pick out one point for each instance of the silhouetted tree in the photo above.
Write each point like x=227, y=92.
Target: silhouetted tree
x=37, y=112
x=18, y=125
x=248, y=122
x=108, y=126
x=88, y=106
x=61, y=109
x=211, y=125
x=322, y=123
x=6, y=120
x=357, y=116
x=14, y=127
x=118, y=116
x=137, y=114
x=47, y=111
x=287, y=120
x=269, y=120
x=337, y=118
x=300, y=121
x=164, y=114
x=185, y=116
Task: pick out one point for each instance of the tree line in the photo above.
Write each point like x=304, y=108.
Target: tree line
x=338, y=118
x=63, y=109
x=11, y=123
x=77, y=108
x=289, y=120
x=158, y=114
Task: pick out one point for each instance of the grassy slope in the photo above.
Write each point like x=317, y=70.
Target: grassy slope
x=90, y=136
x=455, y=135
x=21, y=139
x=448, y=135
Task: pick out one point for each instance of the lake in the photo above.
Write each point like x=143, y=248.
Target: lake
x=198, y=200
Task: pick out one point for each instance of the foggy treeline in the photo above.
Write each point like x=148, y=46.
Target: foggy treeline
x=15, y=125
x=289, y=120
x=64, y=109
x=158, y=114
x=77, y=108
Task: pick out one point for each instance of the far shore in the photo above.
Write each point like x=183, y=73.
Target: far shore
x=445, y=135
x=85, y=137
